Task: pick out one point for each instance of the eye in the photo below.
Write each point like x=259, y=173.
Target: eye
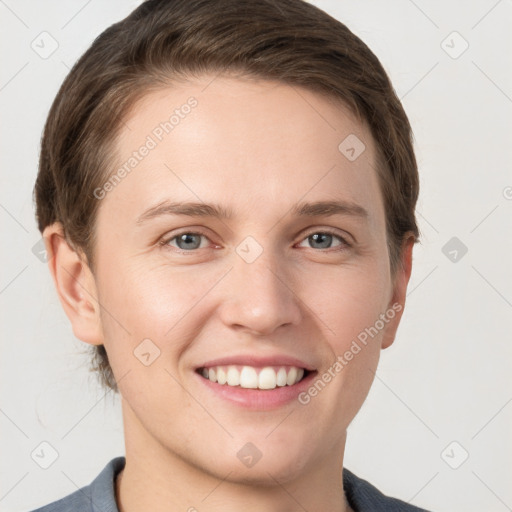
x=186, y=241
x=189, y=241
x=324, y=240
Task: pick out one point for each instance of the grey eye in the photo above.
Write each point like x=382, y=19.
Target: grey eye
x=323, y=239
x=188, y=241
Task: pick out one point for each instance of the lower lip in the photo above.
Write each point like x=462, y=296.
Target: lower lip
x=258, y=399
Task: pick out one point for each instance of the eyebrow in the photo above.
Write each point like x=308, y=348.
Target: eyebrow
x=194, y=209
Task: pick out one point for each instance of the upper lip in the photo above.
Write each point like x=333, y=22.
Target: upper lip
x=258, y=361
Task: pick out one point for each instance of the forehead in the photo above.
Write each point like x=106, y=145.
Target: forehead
x=249, y=144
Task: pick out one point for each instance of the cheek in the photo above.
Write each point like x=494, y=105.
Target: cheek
x=348, y=300
x=141, y=302
x=349, y=303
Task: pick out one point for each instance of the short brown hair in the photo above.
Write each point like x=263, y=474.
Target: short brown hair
x=290, y=41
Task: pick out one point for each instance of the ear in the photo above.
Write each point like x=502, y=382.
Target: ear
x=75, y=285
x=397, y=302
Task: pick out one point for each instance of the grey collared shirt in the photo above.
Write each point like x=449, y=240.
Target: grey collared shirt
x=99, y=496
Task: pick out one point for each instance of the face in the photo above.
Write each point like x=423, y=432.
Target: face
x=270, y=288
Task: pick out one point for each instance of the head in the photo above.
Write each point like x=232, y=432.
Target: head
x=257, y=107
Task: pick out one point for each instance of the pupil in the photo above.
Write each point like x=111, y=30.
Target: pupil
x=324, y=236
x=187, y=238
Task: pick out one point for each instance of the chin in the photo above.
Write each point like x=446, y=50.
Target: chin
x=262, y=462
x=267, y=471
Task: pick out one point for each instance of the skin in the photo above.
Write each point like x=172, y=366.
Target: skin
x=258, y=147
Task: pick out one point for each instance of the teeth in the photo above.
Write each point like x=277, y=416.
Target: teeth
x=233, y=376
x=292, y=375
x=249, y=378
x=281, y=377
x=221, y=376
x=267, y=379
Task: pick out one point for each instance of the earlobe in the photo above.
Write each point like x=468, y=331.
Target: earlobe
x=75, y=285
x=397, y=303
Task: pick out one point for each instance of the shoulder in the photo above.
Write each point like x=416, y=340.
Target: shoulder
x=363, y=496
x=98, y=496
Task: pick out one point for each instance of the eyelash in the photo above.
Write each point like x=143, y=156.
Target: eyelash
x=165, y=242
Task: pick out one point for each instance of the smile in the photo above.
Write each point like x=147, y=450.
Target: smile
x=251, y=377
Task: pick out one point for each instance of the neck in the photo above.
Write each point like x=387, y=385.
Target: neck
x=156, y=479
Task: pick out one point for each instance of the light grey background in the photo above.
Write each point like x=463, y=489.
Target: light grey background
x=447, y=376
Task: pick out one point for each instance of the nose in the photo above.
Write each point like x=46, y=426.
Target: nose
x=258, y=297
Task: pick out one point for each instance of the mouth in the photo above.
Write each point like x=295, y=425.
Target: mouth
x=265, y=378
